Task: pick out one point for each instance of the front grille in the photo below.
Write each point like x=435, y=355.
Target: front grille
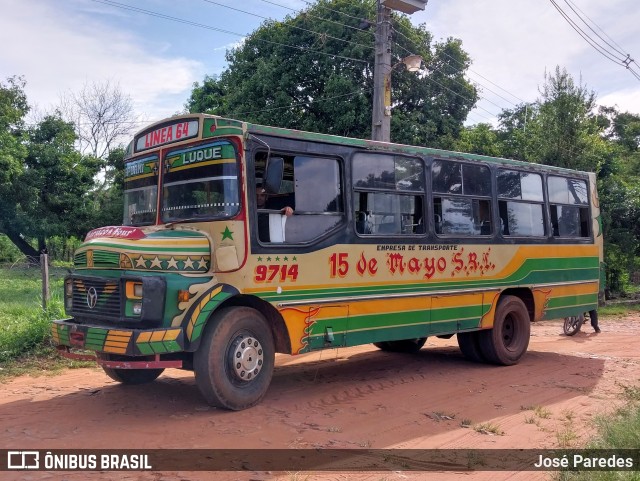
x=96, y=298
x=106, y=259
x=80, y=260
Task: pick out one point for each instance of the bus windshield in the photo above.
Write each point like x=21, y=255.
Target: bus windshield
x=201, y=183
x=141, y=191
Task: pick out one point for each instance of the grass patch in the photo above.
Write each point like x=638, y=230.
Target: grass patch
x=542, y=412
x=24, y=325
x=488, y=428
x=617, y=431
x=40, y=361
x=465, y=423
x=618, y=309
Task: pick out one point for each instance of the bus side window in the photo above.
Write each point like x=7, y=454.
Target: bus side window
x=568, y=206
x=520, y=203
x=437, y=207
x=389, y=191
x=464, y=206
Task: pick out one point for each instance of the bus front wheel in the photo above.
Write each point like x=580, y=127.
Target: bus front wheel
x=508, y=340
x=128, y=376
x=234, y=363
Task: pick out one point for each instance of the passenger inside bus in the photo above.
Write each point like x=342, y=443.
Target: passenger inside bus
x=271, y=224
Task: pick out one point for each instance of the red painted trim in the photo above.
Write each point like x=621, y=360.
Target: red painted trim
x=65, y=352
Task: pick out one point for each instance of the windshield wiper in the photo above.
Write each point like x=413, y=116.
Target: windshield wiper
x=182, y=221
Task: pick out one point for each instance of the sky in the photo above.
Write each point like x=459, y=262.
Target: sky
x=59, y=46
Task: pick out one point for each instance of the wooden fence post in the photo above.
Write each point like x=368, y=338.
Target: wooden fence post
x=44, y=267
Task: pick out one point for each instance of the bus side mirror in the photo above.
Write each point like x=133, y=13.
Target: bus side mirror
x=273, y=174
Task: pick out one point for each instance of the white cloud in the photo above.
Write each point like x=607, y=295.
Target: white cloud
x=625, y=100
x=513, y=44
x=60, y=50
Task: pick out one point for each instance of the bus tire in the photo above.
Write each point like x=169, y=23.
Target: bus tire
x=132, y=376
x=469, y=343
x=508, y=340
x=404, y=345
x=234, y=363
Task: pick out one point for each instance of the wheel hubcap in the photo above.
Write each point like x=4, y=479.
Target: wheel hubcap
x=247, y=357
x=507, y=331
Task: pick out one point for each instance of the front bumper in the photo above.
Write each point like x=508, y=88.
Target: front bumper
x=118, y=341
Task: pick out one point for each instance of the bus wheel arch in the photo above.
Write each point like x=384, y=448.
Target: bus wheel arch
x=508, y=340
x=270, y=313
x=235, y=361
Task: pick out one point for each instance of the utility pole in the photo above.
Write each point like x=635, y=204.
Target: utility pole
x=381, y=122
x=381, y=115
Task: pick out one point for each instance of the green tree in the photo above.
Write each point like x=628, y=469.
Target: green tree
x=314, y=72
x=108, y=203
x=13, y=151
x=479, y=139
x=562, y=127
x=56, y=180
x=619, y=182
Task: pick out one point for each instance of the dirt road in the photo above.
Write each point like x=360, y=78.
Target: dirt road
x=346, y=398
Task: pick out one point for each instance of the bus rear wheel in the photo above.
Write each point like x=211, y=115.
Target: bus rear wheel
x=235, y=360
x=469, y=343
x=404, y=345
x=508, y=340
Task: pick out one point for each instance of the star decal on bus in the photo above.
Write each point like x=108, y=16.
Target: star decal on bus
x=227, y=234
x=141, y=262
x=156, y=263
x=188, y=264
x=202, y=263
x=172, y=264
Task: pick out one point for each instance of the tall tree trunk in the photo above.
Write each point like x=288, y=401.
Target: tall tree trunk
x=32, y=254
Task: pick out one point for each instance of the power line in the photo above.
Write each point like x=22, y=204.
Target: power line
x=463, y=65
x=362, y=91
x=209, y=27
x=323, y=35
x=584, y=35
x=571, y=6
x=626, y=59
x=460, y=95
x=336, y=11
x=318, y=17
x=458, y=81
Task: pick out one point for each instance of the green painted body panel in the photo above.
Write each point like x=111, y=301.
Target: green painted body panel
x=357, y=330
x=95, y=339
x=205, y=313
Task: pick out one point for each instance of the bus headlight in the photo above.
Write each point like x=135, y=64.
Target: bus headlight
x=137, y=308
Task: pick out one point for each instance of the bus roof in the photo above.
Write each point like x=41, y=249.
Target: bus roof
x=373, y=145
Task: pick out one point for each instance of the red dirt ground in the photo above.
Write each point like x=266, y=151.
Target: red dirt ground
x=346, y=398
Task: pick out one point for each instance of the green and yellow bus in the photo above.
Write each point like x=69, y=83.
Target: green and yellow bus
x=358, y=242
